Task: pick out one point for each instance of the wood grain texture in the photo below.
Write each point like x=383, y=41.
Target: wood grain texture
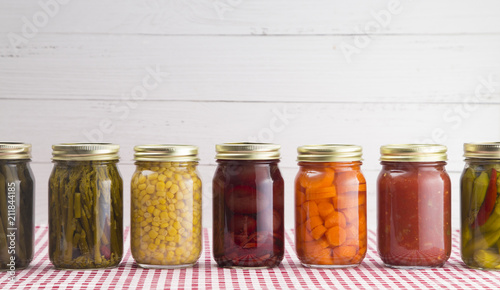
x=207, y=123
x=256, y=17
x=403, y=69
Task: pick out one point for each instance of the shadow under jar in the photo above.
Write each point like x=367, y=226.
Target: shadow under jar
x=248, y=206
x=330, y=206
x=414, y=206
x=166, y=207
x=16, y=206
x=480, y=206
x=85, y=206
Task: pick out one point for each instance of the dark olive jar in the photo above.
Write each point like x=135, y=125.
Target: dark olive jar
x=16, y=206
x=248, y=206
x=85, y=207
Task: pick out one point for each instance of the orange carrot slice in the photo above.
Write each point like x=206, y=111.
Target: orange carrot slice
x=352, y=232
x=325, y=209
x=336, y=236
x=335, y=219
x=345, y=252
x=300, y=197
x=317, y=178
x=345, y=200
x=319, y=193
x=303, y=235
x=313, y=222
x=311, y=208
x=318, y=232
x=351, y=215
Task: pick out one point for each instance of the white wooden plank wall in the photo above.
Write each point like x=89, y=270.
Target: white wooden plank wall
x=210, y=71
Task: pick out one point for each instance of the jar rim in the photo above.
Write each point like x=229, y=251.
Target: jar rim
x=413, y=152
x=15, y=150
x=329, y=153
x=247, y=151
x=85, y=151
x=482, y=150
x=166, y=152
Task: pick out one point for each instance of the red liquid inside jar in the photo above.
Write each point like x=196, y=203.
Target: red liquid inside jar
x=414, y=214
x=248, y=206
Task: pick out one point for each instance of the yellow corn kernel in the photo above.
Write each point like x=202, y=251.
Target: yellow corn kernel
x=177, y=238
x=172, y=231
x=153, y=234
x=170, y=195
x=177, y=177
x=161, y=193
x=156, y=212
x=144, y=223
x=172, y=215
x=161, y=237
x=170, y=254
x=164, y=215
x=162, y=178
x=179, y=196
x=179, y=251
x=155, y=202
x=153, y=176
x=142, y=178
x=169, y=239
x=164, y=225
x=148, y=219
x=162, y=200
x=168, y=184
x=182, y=185
x=174, y=188
x=162, y=246
x=155, y=168
x=177, y=225
x=180, y=205
x=155, y=224
x=151, y=209
x=169, y=174
x=150, y=189
x=152, y=247
x=171, y=207
x=160, y=186
x=162, y=207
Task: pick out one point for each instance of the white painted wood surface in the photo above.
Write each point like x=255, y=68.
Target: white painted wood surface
x=430, y=72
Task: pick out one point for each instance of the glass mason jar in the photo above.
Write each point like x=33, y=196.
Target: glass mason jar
x=16, y=206
x=248, y=206
x=166, y=206
x=330, y=206
x=480, y=206
x=85, y=206
x=414, y=206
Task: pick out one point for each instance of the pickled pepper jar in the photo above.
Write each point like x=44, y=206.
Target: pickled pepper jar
x=330, y=206
x=480, y=206
x=166, y=206
x=85, y=206
x=16, y=206
x=414, y=206
x=248, y=206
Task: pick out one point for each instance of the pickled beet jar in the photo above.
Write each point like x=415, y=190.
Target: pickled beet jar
x=248, y=206
x=414, y=206
x=330, y=206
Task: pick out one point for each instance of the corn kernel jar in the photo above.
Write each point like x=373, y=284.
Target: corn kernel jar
x=166, y=206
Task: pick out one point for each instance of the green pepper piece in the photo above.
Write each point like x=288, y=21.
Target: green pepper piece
x=487, y=259
x=489, y=200
x=78, y=205
x=482, y=242
x=493, y=223
x=478, y=194
x=466, y=189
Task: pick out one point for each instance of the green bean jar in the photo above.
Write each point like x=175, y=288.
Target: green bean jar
x=85, y=206
x=480, y=206
x=16, y=207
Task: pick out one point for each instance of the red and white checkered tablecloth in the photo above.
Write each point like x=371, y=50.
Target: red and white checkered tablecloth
x=371, y=274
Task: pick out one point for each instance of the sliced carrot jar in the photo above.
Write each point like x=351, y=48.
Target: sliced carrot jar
x=330, y=206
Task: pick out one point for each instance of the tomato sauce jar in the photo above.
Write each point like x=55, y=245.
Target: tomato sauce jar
x=330, y=206
x=248, y=206
x=414, y=206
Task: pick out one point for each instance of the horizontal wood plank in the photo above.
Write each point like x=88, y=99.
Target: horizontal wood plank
x=255, y=17
x=402, y=69
x=44, y=123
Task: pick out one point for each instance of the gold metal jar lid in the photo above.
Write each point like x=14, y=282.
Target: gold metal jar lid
x=166, y=152
x=329, y=153
x=247, y=151
x=15, y=150
x=413, y=153
x=85, y=151
x=484, y=150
